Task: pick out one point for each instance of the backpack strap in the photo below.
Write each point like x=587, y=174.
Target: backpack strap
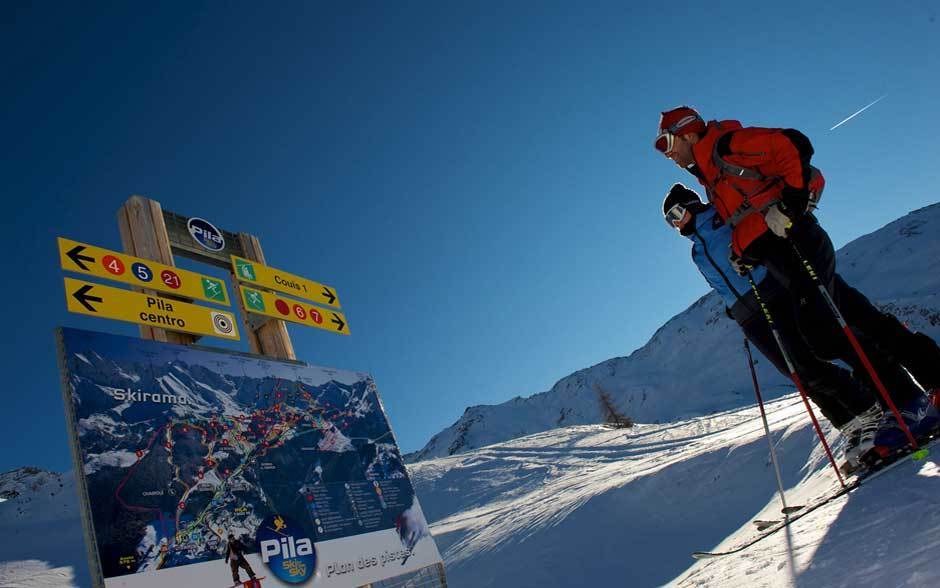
x=746, y=210
x=725, y=167
x=730, y=168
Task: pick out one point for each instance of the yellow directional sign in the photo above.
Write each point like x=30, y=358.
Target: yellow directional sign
x=273, y=305
x=143, y=273
x=256, y=274
x=123, y=305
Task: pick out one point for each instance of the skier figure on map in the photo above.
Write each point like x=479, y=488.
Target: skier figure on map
x=848, y=404
x=761, y=183
x=235, y=557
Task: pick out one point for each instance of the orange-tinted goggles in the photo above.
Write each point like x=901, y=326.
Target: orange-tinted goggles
x=664, y=143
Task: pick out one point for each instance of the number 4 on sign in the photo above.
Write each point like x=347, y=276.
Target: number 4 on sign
x=113, y=264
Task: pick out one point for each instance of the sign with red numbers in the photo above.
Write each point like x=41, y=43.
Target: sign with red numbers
x=143, y=273
x=281, y=307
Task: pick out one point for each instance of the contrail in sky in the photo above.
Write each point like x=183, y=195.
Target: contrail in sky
x=857, y=113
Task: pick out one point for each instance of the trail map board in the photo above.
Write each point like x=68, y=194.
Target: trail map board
x=178, y=447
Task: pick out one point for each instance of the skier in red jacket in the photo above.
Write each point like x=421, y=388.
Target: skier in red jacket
x=762, y=184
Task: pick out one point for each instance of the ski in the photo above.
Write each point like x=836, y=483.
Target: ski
x=865, y=476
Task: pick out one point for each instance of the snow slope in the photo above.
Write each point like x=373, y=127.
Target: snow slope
x=897, y=267
x=41, y=542
x=592, y=506
x=588, y=505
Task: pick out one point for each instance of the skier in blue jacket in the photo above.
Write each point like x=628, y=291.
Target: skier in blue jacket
x=848, y=403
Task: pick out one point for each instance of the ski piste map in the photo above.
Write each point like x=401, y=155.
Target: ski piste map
x=182, y=447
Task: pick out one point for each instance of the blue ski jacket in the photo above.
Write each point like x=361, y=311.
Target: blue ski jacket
x=711, y=246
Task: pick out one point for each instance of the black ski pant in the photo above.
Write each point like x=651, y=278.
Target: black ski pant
x=915, y=351
x=838, y=395
x=814, y=319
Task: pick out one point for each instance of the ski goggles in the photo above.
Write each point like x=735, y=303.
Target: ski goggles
x=675, y=214
x=666, y=139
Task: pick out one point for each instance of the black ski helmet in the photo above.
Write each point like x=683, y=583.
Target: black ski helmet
x=679, y=194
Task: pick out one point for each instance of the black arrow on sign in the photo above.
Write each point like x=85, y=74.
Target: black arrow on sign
x=329, y=294
x=338, y=322
x=83, y=298
x=75, y=254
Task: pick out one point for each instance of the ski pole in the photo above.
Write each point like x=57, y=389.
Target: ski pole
x=855, y=344
x=763, y=416
x=793, y=375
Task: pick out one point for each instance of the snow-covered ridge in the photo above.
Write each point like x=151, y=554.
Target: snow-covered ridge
x=897, y=267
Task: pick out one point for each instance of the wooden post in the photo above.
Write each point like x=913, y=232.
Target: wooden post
x=143, y=234
x=271, y=338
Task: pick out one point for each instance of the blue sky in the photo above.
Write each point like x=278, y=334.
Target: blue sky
x=475, y=178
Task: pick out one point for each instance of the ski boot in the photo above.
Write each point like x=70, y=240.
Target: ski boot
x=890, y=440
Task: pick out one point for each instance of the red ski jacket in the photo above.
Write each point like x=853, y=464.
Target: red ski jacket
x=746, y=170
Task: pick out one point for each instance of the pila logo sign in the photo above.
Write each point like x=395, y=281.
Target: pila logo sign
x=289, y=555
x=206, y=234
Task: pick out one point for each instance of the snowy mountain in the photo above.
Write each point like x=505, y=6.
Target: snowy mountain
x=897, y=267
x=41, y=542
x=530, y=492
x=594, y=506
